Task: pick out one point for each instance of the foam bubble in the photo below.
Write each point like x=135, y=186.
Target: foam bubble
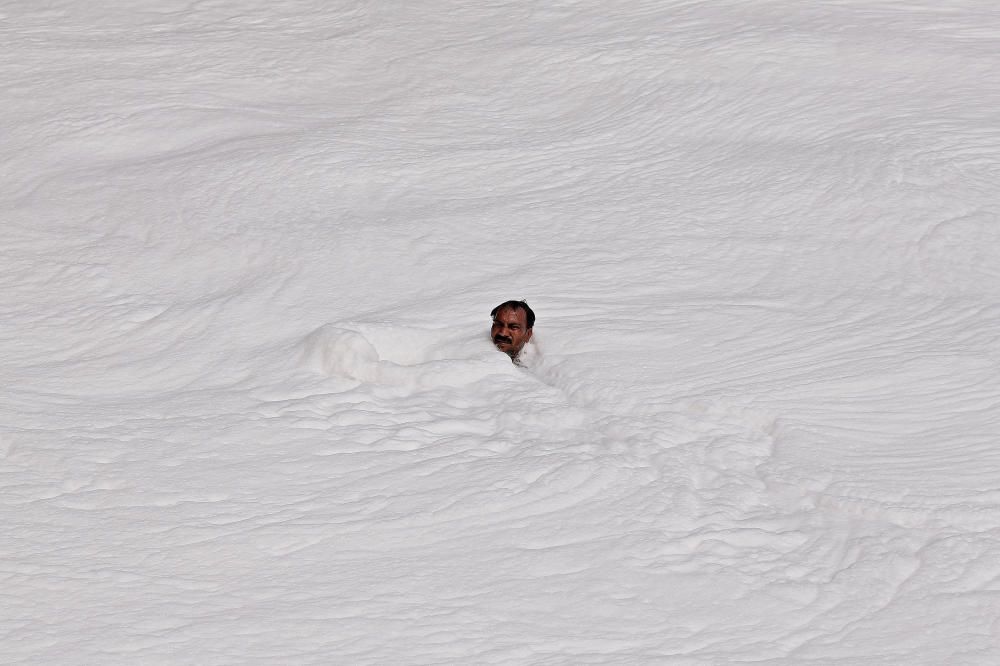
x=336, y=351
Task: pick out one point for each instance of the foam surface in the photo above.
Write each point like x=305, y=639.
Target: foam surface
x=250, y=414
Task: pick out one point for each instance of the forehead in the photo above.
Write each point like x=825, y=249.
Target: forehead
x=509, y=315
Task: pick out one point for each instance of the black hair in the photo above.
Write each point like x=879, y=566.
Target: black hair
x=516, y=305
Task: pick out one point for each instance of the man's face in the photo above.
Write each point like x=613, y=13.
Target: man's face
x=510, y=330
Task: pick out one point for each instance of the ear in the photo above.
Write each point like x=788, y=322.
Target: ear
x=527, y=335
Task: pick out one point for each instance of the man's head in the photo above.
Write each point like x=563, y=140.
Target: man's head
x=512, y=324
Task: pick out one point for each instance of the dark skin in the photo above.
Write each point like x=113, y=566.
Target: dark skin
x=510, y=331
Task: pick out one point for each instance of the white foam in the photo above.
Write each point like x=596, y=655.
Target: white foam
x=250, y=412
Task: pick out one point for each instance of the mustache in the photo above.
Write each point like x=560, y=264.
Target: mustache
x=502, y=338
